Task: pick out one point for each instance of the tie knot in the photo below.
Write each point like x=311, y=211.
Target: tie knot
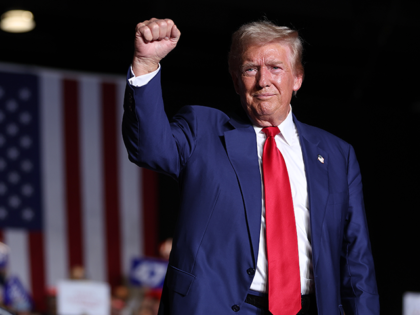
x=271, y=131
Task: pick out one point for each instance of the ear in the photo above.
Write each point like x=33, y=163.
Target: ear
x=298, y=82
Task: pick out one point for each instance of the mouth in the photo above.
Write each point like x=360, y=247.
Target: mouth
x=263, y=96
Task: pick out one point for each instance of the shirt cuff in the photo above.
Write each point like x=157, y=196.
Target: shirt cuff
x=142, y=79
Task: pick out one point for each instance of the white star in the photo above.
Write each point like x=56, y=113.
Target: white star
x=11, y=105
x=27, y=190
x=13, y=153
x=24, y=94
x=25, y=118
x=3, y=188
x=12, y=129
x=26, y=165
x=27, y=214
x=3, y=213
x=14, y=177
x=25, y=142
x=14, y=201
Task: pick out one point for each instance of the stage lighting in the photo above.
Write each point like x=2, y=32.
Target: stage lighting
x=17, y=21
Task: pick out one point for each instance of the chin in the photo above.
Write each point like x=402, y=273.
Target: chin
x=266, y=109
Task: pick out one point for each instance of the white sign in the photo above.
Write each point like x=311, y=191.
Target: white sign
x=411, y=303
x=83, y=298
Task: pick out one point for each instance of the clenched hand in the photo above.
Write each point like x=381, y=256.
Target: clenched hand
x=154, y=39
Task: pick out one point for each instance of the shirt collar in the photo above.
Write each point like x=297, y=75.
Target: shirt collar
x=287, y=129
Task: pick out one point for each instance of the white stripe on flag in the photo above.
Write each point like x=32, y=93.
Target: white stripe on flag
x=92, y=177
x=55, y=238
x=17, y=240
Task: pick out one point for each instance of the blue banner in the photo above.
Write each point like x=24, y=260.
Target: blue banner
x=148, y=272
x=15, y=295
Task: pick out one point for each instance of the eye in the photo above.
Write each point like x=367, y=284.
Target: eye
x=250, y=71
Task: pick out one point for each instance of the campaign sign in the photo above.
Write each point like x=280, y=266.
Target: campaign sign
x=83, y=297
x=148, y=272
x=15, y=295
x=411, y=303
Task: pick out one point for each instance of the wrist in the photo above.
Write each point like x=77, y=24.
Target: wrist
x=144, y=66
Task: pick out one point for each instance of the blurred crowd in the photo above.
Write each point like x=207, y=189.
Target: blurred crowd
x=126, y=299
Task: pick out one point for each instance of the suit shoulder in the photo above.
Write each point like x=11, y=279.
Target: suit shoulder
x=326, y=138
x=202, y=110
x=316, y=131
x=202, y=114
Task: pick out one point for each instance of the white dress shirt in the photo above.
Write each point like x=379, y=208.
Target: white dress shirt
x=288, y=144
x=142, y=79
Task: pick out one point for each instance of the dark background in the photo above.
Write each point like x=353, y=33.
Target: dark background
x=361, y=63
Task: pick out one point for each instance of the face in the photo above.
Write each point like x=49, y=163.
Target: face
x=265, y=83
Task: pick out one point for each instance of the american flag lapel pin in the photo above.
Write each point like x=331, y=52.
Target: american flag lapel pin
x=321, y=159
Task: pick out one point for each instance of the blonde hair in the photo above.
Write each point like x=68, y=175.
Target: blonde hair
x=261, y=33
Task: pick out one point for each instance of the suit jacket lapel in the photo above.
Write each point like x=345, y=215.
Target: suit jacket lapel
x=317, y=181
x=241, y=147
x=242, y=151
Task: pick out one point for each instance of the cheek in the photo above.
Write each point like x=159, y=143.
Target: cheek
x=247, y=87
x=285, y=82
x=248, y=82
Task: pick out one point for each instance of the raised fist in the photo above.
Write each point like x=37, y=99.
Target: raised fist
x=153, y=41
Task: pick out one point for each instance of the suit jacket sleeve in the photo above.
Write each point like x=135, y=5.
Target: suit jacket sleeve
x=359, y=291
x=151, y=141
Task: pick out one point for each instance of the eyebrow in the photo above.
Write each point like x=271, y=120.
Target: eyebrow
x=253, y=64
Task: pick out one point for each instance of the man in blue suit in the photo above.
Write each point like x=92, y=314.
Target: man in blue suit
x=221, y=261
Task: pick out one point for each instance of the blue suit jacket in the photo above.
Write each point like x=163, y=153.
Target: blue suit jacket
x=214, y=158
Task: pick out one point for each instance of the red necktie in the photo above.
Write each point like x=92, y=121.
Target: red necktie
x=284, y=296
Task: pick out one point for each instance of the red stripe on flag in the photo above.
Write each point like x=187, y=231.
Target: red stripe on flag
x=150, y=210
x=110, y=171
x=37, y=269
x=72, y=172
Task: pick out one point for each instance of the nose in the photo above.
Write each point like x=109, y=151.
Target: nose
x=264, y=77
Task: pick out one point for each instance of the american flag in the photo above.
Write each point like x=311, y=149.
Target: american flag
x=68, y=194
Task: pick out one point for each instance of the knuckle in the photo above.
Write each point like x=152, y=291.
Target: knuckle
x=146, y=33
x=143, y=29
x=139, y=26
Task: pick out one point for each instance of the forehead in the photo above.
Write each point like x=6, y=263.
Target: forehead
x=267, y=52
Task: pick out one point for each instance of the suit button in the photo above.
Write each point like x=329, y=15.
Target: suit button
x=235, y=308
x=251, y=271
